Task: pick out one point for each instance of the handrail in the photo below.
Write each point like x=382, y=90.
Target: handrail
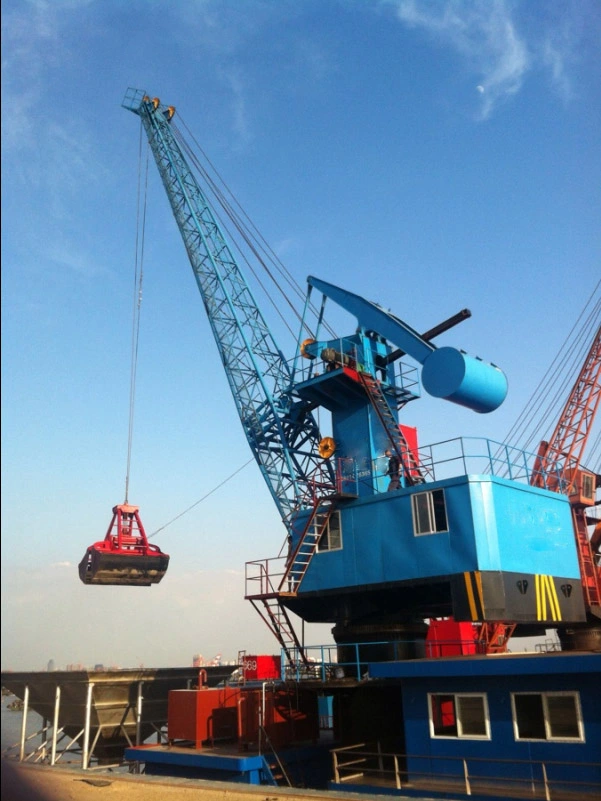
x=323, y=662
x=398, y=769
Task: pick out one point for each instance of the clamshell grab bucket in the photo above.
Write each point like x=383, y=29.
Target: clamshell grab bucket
x=124, y=557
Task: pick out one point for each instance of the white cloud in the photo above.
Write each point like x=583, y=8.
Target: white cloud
x=483, y=33
x=502, y=42
x=554, y=56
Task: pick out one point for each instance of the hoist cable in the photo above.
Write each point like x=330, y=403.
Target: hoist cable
x=232, y=217
x=137, y=303
x=248, y=230
x=572, y=365
x=566, y=363
x=532, y=412
x=258, y=236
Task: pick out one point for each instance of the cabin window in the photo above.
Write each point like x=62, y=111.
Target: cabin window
x=459, y=715
x=331, y=538
x=547, y=716
x=429, y=512
x=587, y=485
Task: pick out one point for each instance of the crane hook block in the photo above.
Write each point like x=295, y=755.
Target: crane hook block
x=327, y=446
x=466, y=380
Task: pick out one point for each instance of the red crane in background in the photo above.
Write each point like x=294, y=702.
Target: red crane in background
x=558, y=467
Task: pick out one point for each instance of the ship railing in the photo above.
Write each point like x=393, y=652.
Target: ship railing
x=481, y=456
x=323, y=662
x=366, y=764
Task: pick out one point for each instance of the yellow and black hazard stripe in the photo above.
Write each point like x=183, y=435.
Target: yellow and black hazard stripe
x=475, y=596
x=546, y=597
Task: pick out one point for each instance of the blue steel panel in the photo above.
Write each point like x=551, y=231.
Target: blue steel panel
x=479, y=676
x=379, y=544
x=190, y=757
x=493, y=525
x=534, y=529
x=561, y=664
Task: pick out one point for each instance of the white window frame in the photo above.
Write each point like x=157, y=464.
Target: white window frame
x=326, y=534
x=415, y=499
x=460, y=734
x=549, y=738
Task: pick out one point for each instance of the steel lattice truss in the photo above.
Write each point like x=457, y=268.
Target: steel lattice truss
x=568, y=441
x=281, y=431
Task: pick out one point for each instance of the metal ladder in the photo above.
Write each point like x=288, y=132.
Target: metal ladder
x=276, y=617
x=412, y=470
x=300, y=559
x=591, y=574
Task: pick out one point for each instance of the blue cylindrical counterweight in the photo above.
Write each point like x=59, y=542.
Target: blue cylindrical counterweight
x=453, y=375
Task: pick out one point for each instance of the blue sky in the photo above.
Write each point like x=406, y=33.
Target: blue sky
x=428, y=156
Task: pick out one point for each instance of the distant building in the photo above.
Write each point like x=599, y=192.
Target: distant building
x=51, y=666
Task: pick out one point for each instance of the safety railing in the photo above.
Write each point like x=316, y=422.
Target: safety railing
x=480, y=456
x=347, y=352
x=457, y=457
x=263, y=576
x=324, y=662
x=365, y=764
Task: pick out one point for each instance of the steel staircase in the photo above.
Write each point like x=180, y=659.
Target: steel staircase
x=276, y=617
x=590, y=572
x=274, y=770
x=412, y=470
x=300, y=558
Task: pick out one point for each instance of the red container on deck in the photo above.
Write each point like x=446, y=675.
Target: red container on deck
x=261, y=668
x=450, y=637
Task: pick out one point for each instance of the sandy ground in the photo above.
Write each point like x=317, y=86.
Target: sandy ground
x=43, y=783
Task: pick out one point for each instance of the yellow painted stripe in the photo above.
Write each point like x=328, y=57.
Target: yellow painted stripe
x=539, y=615
x=554, y=590
x=478, y=578
x=553, y=600
x=470, y=595
x=544, y=592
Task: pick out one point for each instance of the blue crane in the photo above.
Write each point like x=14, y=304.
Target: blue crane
x=451, y=541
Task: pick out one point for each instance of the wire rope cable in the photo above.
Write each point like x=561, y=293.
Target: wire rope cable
x=141, y=207
x=538, y=418
x=247, y=230
x=204, y=497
